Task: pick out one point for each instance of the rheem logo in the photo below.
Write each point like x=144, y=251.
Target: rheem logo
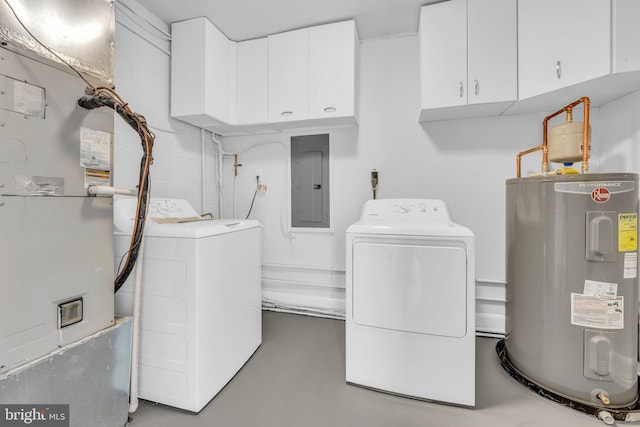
x=600, y=195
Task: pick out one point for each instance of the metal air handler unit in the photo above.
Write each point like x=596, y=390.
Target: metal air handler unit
x=572, y=286
x=59, y=342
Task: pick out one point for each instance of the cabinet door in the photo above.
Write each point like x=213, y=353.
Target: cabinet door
x=492, y=51
x=626, y=36
x=332, y=63
x=252, y=81
x=443, y=59
x=202, y=73
x=562, y=43
x=288, y=76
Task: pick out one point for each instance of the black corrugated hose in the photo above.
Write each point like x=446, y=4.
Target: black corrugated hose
x=105, y=97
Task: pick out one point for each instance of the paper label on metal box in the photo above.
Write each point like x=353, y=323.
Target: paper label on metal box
x=597, y=312
x=96, y=177
x=95, y=149
x=627, y=232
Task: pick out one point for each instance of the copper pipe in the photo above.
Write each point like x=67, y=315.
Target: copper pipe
x=585, y=136
x=531, y=150
x=544, y=147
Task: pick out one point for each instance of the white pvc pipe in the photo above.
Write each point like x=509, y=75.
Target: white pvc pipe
x=105, y=190
x=219, y=155
x=235, y=196
x=203, y=169
x=135, y=333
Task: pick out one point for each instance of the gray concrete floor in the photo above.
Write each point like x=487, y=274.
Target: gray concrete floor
x=296, y=379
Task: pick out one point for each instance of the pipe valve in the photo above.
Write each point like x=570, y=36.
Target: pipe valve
x=374, y=182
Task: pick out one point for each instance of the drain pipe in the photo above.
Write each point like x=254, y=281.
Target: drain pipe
x=236, y=165
x=135, y=333
x=203, y=169
x=220, y=154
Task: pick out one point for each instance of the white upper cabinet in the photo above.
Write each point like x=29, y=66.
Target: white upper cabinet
x=252, y=82
x=297, y=78
x=313, y=75
x=468, y=58
x=288, y=76
x=626, y=36
x=588, y=48
x=492, y=52
x=443, y=54
x=333, y=59
x=561, y=43
x=203, y=74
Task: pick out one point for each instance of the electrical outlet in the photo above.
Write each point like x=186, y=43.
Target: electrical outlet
x=262, y=188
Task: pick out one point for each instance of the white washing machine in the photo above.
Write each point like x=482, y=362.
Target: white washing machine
x=201, y=304
x=410, y=324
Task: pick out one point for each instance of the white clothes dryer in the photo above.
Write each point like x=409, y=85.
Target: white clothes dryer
x=201, y=304
x=410, y=294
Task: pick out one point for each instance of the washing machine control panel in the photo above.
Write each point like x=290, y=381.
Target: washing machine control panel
x=171, y=208
x=406, y=209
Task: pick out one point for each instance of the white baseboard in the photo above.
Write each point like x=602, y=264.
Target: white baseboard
x=320, y=292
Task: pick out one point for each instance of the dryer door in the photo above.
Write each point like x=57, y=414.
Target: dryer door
x=414, y=286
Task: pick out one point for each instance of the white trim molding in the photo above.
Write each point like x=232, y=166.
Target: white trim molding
x=320, y=291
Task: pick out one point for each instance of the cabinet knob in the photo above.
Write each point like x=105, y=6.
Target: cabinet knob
x=286, y=113
x=329, y=109
x=476, y=87
x=558, y=69
x=461, y=89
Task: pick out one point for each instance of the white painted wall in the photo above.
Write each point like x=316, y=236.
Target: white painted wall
x=463, y=162
x=620, y=135
x=142, y=69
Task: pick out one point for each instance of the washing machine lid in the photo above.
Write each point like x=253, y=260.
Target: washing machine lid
x=173, y=218
x=422, y=217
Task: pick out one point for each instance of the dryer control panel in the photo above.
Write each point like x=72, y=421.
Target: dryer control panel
x=431, y=210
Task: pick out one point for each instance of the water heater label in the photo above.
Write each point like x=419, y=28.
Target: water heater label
x=594, y=288
x=600, y=190
x=631, y=265
x=628, y=232
x=597, y=312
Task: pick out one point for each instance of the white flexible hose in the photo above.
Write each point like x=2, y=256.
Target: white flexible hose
x=135, y=333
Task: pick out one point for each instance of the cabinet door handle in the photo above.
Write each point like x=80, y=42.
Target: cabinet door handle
x=461, y=89
x=476, y=87
x=558, y=69
x=329, y=109
x=286, y=113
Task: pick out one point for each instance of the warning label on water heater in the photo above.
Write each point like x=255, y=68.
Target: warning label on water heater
x=627, y=232
x=593, y=311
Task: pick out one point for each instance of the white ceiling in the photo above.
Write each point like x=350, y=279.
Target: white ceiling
x=248, y=19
